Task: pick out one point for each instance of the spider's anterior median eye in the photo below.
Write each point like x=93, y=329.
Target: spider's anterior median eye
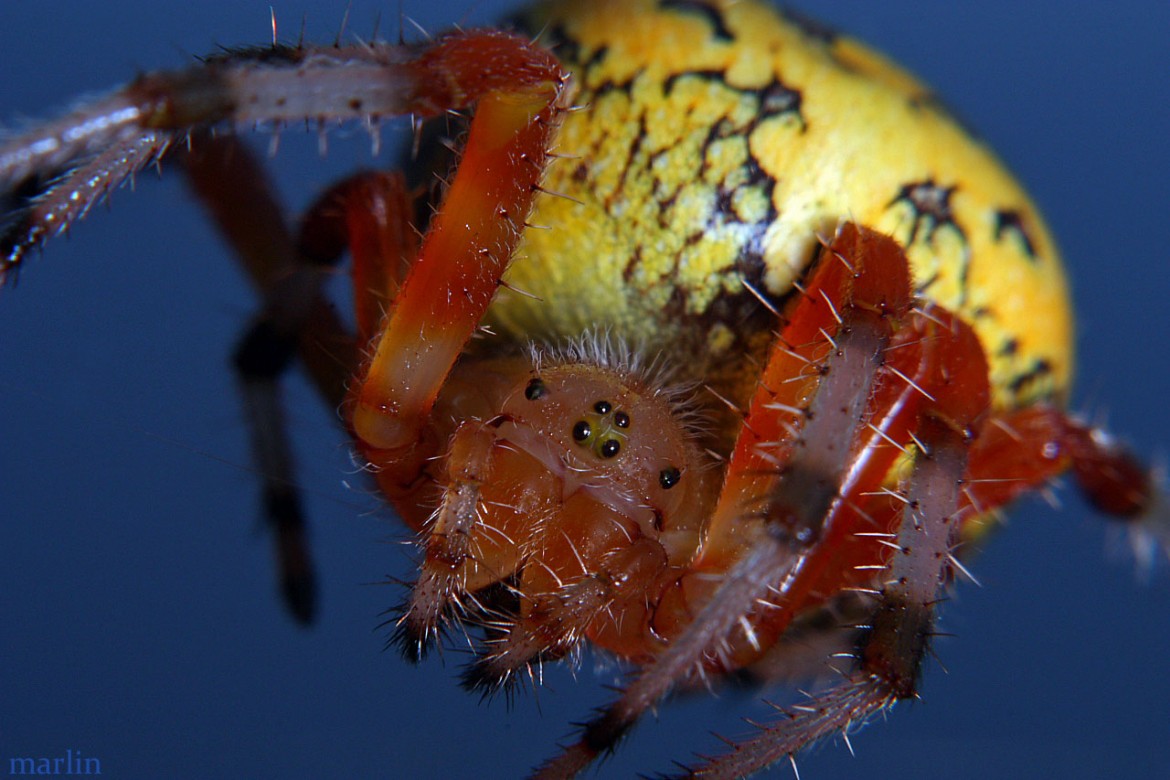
x=536, y=389
x=602, y=430
x=599, y=434
x=669, y=477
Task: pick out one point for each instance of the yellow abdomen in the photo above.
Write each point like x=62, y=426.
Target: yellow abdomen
x=713, y=145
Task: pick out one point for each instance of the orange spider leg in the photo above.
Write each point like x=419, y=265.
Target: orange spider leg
x=518, y=91
x=1025, y=448
x=476, y=536
x=854, y=540
x=889, y=655
x=862, y=275
x=590, y=559
x=368, y=214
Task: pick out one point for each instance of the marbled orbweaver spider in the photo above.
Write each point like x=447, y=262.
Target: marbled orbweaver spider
x=517, y=285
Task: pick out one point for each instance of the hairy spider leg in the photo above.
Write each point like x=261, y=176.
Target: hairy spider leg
x=368, y=214
x=417, y=306
x=888, y=658
x=62, y=167
x=518, y=92
x=295, y=320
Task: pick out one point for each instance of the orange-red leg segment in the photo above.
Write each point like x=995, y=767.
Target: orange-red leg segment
x=890, y=654
x=518, y=92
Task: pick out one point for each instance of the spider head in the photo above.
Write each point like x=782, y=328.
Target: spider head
x=615, y=433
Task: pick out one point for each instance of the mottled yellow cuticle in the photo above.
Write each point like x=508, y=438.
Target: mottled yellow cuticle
x=688, y=182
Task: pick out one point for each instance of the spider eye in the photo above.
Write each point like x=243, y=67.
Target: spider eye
x=535, y=390
x=669, y=477
x=602, y=431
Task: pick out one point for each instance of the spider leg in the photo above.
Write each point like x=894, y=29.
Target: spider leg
x=890, y=653
x=558, y=611
x=294, y=320
x=891, y=650
x=1115, y=482
x=59, y=168
x=1021, y=450
x=467, y=249
x=47, y=202
x=465, y=551
x=367, y=214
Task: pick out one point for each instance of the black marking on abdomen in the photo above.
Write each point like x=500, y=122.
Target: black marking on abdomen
x=711, y=14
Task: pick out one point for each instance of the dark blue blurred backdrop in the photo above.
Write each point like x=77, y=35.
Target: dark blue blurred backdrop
x=138, y=622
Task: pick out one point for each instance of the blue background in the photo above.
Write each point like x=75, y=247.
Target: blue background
x=138, y=621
